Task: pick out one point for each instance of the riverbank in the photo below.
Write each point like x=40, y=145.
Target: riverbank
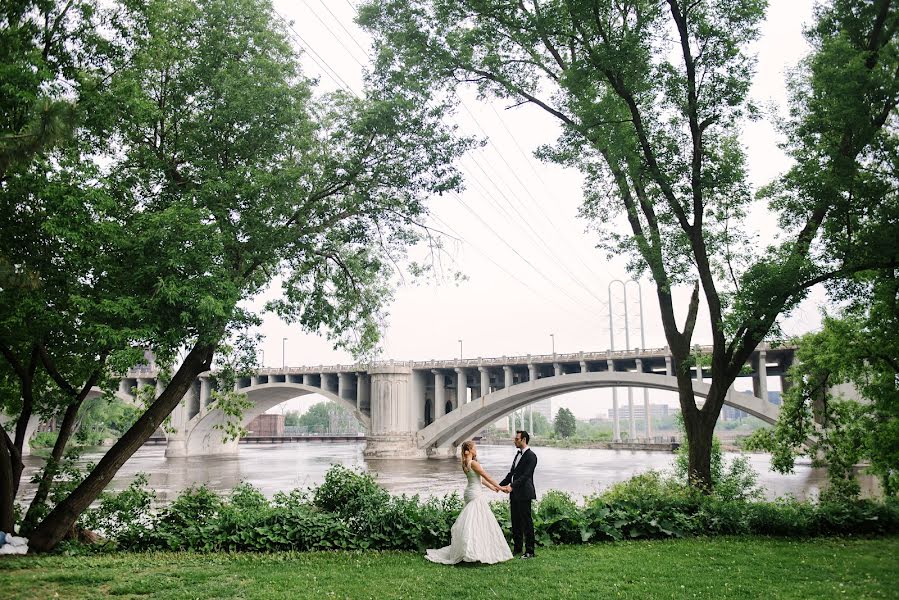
x=737, y=567
x=594, y=445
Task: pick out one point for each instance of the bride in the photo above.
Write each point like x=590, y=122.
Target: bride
x=476, y=536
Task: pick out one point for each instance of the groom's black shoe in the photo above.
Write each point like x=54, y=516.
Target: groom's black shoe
x=527, y=555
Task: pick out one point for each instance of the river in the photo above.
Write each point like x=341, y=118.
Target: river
x=283, y=467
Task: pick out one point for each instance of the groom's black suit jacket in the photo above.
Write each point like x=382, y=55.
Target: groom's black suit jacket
x=522, y=476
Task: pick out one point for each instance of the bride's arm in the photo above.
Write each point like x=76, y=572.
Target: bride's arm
x=486, y=479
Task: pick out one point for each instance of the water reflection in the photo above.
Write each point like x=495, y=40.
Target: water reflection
x=284, y=467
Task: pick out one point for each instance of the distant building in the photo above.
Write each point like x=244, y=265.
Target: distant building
x=656, y=410
x=729, y=413
x=543, y=407
x=266, y=424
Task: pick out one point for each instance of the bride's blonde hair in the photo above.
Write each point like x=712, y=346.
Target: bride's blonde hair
x=467, y=447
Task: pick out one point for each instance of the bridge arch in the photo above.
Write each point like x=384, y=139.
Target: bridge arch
x=96, y=392
x=204, y=438
x=459, y=425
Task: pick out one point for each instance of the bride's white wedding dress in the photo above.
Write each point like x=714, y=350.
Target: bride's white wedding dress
x=476, y=536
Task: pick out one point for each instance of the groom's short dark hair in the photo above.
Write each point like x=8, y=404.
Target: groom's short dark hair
x=524, y=435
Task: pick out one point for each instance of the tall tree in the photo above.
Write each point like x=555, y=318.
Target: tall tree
x=859, y=347
x=565, y=424
x=42, y=44
x=651, y=96
x=843, y=140
x=204, y=168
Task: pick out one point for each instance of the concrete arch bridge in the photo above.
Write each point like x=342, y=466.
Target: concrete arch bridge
x=427, y=408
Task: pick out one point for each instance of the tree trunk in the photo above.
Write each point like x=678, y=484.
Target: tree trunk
x=8, y=494
x=699, y=452
x=61, y=519
x=52, y=466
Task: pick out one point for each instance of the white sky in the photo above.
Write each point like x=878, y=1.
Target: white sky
x=509, y=305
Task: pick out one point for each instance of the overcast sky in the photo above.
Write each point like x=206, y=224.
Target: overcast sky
x=531, y=263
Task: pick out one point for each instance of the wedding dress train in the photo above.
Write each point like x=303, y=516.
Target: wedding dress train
x=476, y=535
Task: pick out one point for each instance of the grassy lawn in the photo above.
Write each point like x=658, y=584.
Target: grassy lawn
x=691, y=568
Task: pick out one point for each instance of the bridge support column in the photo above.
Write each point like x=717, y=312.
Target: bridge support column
x=616, y=424
x=419, y=398
x=557, y=369
x=363, y=392
x=485, y=381
x=439, y=394
x=205, y=394
x=461, y=388
x=760, y=379
x=647, y=415
x=344, y=389
x=533, y=375
x=394, y=414
x=507, y=383
x=632, y=423
x=176, y=446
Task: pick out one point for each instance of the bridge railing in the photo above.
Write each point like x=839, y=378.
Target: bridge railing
x=497, y=361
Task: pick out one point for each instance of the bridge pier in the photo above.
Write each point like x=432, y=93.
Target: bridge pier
x=394, y=414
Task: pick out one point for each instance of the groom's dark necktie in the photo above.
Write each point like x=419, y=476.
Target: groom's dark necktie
x=515, y=460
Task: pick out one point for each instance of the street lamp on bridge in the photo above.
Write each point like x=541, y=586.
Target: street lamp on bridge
x=460, y=349
x=553, y=337
x=283, y=355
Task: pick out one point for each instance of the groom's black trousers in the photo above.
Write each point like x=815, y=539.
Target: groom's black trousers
x=522, y=523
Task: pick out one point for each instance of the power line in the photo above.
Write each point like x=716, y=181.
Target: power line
x=511, y=275
x=517, y=253
x=352, y=37
x=488, y=195
x=539, y=238
x=334, y=35
x=336, y=78
x=527, y=191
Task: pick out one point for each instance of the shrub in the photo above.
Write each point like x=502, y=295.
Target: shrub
x=124, y=516
x=784, y=517
x=558, y=519
x=185, y=523
x=349, y=511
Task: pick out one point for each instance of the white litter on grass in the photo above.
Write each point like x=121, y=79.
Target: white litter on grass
x=14, y=545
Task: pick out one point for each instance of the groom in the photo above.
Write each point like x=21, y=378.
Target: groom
x=519, y=484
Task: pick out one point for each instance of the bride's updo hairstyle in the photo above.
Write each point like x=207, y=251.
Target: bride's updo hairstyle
x=467, y=448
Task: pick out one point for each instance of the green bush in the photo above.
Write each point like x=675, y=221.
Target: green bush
x=124, y=516
x=349, y=511
x=44, y=439
x=558, y=519
x=648, y=505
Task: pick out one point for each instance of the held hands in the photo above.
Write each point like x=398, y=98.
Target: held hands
x=506, y=488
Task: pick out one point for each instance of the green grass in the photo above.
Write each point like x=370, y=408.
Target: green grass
x=690, y=568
